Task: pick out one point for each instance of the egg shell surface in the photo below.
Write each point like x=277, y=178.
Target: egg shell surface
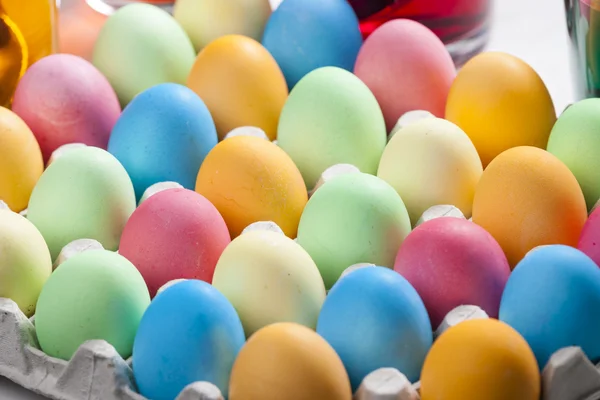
x=240, y=83
x=297, y=359
x=164, y=134
x=407, y=68
x=64, y=99
x=21, y=163
x=589, y=242
x=189, y=333
x=330, y=118
x=527, y=197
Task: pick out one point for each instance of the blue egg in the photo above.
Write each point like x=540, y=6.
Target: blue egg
x=303, y=35
x=163, y=134
x=190, y=332
x=374, y=318
x=552, y=298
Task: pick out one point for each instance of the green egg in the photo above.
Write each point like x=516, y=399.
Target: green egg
x=86, y=193
x=331, y=117
x=575, y=140
x=141, y=46
x=96, y=294
x=351, y=219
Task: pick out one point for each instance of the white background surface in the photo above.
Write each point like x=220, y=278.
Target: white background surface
x=534, y=30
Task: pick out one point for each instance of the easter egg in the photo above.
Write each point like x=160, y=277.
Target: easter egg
x=330, y=118
x=589, y=241
x=64, y=99
x=288, y=361
x=96, y=294
x=304, y=35
x=85, y=193
x=431, y=162
x=240, y=83
x=269, y=278
x=526, y=198
x=575, y=140
x=480, y=359
x=25, y=262
x=500, y=102
x=164, y=134
x=464, y=265
x=140, y=46
x=374, y=318
x=250, y=179
x=208, y=20
x=552, y=298
x=174, y=234
x=21, y=161
x=407, y=67
x=204, y=337
x=354, y=218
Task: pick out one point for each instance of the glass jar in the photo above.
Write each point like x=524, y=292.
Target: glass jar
x=107, y=7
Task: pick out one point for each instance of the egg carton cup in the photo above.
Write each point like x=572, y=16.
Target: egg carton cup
x=95, y=372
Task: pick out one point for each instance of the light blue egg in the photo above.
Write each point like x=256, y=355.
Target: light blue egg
x=164, y=134
x=552, y=298
x=190, y=332
x=303, y=35
x=374, y=318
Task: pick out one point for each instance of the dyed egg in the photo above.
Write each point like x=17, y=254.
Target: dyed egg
x=174, y=234
x=276, y=364
x=240, y=83
x=552, y=298
x=374, y=318
x=431, y=162
x=177, y=133
x=354, y=218
x=407, y=67
x=304, y=35
x=21, y=161
x=64, y=99
x=85, y=193
x=589, y=241
x=464, y=265
x=480, y=359
x=25, y=262
x=575, y=140
x=250, y=179
x=96, y=294
x=204, y=337
x=140, y=46
x=331, y=118
x=500, y=102
x=526, y=197
x=208, y=20
x=269, y=278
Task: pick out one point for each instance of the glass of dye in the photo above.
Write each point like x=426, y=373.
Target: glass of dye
x=462, y=25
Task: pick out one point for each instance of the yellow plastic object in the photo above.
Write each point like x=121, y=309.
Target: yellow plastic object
x=27, y=33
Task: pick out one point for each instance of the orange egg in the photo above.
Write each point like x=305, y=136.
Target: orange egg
x=20, y=160
x=527, y=197
x=250, y=179
x=241, y=84
x=480, y=359
x=288, y=361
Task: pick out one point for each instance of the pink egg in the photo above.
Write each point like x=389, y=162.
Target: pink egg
x=407, y=68
x=65, y=99
x=174, y=234
x=453, y=262
x=589, y=241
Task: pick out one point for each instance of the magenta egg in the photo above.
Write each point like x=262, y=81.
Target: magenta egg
x=407, y=68
x=589, y=241
x=453, y=262
x=174, y=234
x=65, y=99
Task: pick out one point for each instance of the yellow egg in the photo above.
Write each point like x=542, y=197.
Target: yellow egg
x=500, y=102
x=240, y=83
x=291, y=362
x=21, y=163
